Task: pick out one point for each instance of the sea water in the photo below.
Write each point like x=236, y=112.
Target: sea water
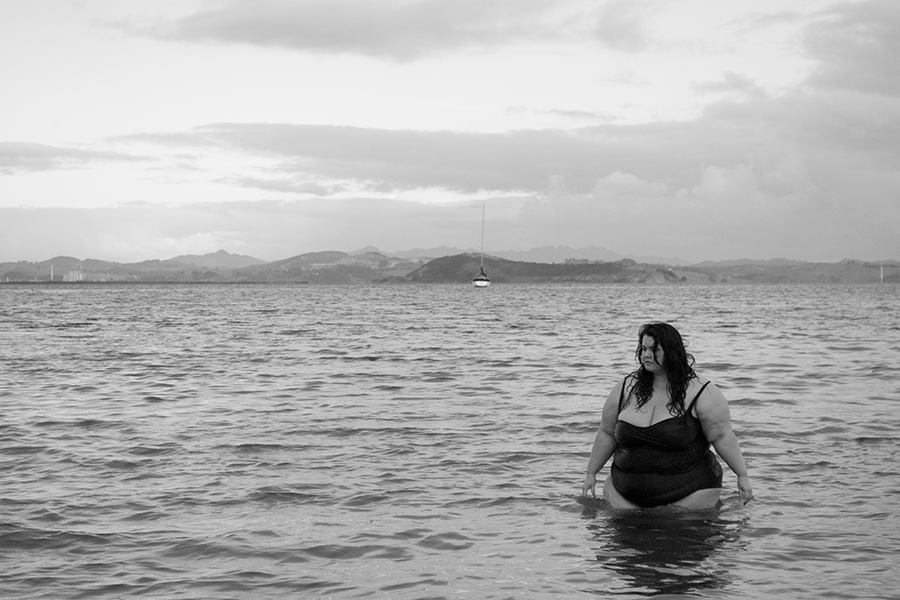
x=430, y=441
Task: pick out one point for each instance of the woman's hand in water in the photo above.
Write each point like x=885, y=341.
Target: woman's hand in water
x=745, y=489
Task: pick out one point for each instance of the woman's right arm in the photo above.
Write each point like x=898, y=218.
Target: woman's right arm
x=604, y=442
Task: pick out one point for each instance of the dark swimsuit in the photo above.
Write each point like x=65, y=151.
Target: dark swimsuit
x=664, y=462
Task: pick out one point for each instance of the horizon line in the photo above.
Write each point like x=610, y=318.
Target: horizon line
x=366, y=249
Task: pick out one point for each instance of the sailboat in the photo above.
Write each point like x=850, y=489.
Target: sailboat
x=482, y=280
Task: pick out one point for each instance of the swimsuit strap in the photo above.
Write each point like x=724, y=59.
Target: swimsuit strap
x=694, y=401
x=689, y=408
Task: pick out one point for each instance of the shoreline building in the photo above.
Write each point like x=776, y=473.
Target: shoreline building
x=74, y=275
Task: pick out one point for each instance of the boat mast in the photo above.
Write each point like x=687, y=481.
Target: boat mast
x=482, y=237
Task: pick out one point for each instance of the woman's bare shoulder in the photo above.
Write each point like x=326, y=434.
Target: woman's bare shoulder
x=708, y=396
x=622, y=388
x=711, y=400
x=699, y=381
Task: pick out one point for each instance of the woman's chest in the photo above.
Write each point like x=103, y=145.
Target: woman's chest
x=654, y=411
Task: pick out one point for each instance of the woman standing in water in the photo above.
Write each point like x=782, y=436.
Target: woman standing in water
x=658, y=424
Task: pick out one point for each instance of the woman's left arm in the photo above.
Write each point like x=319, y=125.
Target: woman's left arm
x=715, y=418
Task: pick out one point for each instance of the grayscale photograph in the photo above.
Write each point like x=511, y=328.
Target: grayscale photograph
x=449, y=299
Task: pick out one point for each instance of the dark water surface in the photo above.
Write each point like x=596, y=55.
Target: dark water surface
x=207, y=441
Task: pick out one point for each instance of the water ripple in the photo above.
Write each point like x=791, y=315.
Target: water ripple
x=429, y=441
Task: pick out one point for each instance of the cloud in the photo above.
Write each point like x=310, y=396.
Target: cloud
x=845, y=128
x=406, y=30
x=625, y=185
x=292, y=185
x=521, y=161
x=764, y=177
x=801, y=206
x=567, y=115
x=396, y=29
x=403, y=160
x=786, y=174
x=25, y=157
x=830, y=133
x=810, y=172
x=731, y=83
x=857, y=45
x=736, y=183
x=620, y=25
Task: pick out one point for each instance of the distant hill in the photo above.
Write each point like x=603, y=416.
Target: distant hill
x=366, y=266
x=218, y=260
x=543, y=254
x=785, y=271
x=463, y=267
x=312, y=267
x=559, y=254
x=748, y=262
x=63, y=268
x=436, y=252
x=331, y=267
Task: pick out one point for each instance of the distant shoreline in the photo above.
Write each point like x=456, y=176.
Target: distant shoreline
x=405, y=283
x=340, y=268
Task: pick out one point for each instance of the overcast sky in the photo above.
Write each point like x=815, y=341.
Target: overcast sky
x=697, y=129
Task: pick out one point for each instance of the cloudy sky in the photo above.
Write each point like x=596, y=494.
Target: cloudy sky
x=697, y=129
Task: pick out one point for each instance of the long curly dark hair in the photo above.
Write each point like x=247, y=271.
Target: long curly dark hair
x=677, y=363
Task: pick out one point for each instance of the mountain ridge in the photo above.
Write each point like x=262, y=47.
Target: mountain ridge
x=368, y=265
x=219, y=259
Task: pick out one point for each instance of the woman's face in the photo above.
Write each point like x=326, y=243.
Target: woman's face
x=652, y=356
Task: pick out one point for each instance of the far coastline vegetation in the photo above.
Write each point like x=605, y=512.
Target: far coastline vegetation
x=371, y=266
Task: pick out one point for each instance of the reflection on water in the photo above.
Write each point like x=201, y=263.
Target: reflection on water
x=664, y=551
